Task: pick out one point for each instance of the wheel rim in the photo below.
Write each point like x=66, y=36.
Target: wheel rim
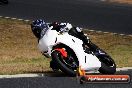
x=69, y=62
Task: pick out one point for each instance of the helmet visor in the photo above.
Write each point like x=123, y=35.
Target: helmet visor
x=44, y=30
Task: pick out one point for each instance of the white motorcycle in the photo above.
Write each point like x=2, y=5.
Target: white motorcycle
x=70, y=53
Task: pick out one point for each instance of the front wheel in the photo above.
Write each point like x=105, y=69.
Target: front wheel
x=64, y=66
x=108, y=65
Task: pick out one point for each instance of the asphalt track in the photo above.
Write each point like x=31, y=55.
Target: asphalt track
x=91, y=14
x=59, y=81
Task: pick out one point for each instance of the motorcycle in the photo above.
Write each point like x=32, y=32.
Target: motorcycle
x=69, y=53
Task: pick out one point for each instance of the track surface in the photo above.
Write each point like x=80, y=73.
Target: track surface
x=91, y=14
x=58, y=81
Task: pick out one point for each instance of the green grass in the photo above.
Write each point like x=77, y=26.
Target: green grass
x=19, y=53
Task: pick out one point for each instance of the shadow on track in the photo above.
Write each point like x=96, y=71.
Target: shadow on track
x=49, y=73
x=61, y=74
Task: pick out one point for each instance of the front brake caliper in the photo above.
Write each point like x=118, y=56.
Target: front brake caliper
x=62, y=51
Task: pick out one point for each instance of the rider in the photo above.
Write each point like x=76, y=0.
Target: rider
x=39, y=27
x=74, y=31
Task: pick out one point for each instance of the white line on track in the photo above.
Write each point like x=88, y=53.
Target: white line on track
x=27, y=20
x=13, y=18
x=20, y=19
x=21, y=76
x=124, y=69
x=7, y=17
x=84, y=29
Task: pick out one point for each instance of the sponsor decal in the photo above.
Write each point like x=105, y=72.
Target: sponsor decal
x=105, y=78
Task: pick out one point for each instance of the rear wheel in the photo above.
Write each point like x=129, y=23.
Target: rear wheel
x=67, y=65
x=108, y=65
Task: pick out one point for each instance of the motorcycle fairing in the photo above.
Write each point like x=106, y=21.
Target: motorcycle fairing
x=87, y=62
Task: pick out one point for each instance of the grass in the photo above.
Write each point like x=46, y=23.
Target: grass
x=19, y=53
x=18, y=49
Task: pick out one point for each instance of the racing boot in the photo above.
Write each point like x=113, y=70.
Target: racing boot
x=88, y=43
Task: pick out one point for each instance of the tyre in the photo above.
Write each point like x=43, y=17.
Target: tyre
x=82, y=80
x=63, y=66
x=108, y=65
x=54, y=66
